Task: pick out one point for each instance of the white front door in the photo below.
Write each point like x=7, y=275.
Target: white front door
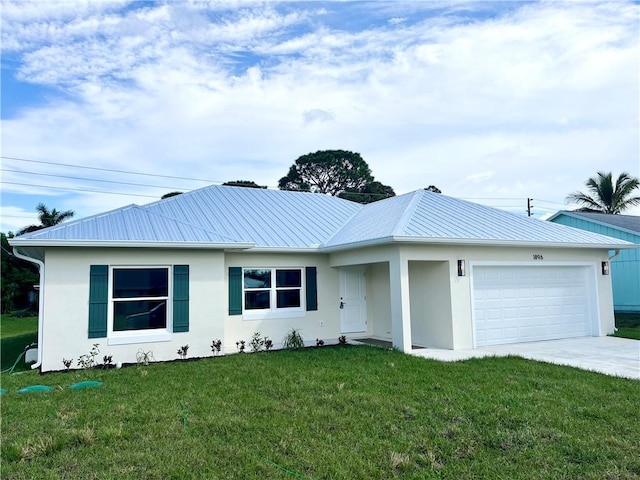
x=353, y=300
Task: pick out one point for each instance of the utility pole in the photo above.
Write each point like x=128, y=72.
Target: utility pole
x=529, y=206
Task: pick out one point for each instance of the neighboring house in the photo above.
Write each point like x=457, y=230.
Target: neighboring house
x=225, y=262
x=625, y=266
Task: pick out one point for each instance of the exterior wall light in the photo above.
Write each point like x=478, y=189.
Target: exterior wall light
x=605, y=268
x=461, y=268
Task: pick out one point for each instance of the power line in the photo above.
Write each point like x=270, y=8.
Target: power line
x=80, y=189
x=59, y=164
x=89, y=179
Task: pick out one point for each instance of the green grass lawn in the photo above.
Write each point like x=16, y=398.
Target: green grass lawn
x=15, y=334
x=628, y=325
x=328, y=413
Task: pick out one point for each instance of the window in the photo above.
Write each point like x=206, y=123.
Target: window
x=271, y=289
x=139, y=298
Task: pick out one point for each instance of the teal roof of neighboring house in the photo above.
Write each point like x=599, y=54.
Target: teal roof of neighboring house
x=238, y=217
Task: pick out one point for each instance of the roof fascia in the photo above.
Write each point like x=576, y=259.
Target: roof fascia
x=128, y=244
x=472, y=242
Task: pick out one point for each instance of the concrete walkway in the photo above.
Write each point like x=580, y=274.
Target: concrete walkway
x=614, y=356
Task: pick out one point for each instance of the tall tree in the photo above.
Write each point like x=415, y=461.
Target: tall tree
x=48, y=218
x=607, y=197
x=327, y=171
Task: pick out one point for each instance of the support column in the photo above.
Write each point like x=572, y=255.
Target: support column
x=400, y=302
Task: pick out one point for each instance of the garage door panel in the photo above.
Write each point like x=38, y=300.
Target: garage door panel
x=518, y=304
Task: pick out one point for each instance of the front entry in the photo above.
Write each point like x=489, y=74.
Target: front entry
x=353, y=300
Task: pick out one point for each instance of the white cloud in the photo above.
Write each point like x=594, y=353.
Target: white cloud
x=527, y=104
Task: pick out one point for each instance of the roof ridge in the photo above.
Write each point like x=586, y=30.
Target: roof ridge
x=402, y=223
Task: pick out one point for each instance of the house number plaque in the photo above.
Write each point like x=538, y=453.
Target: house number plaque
x=537, y=257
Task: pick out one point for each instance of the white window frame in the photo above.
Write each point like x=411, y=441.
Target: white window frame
x=274, y=311
x=139, y=336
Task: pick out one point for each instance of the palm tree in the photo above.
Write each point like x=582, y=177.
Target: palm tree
x=606, y=197
x=48, y=218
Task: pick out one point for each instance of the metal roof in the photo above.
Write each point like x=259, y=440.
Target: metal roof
x=428, y=217
x=239, y=217
x=268, y=218
x=629, y=223
x=127, y=224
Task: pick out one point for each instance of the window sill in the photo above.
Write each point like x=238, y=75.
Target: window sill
x=137, y=337
x=271, y=314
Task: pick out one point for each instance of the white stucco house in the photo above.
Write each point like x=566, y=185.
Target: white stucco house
x=221, y=262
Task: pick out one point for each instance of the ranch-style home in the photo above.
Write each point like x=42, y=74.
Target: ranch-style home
x=421, y=269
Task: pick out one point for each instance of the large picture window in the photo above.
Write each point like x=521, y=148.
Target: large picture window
x=272, y=289
x=140, y=297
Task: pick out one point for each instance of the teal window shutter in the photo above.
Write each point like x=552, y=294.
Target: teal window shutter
x=235, y=290
x=98, y=298
x=181, y=298
x=312, y=288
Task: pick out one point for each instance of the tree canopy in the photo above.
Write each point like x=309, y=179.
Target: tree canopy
x=433, y=188
x=335, y=172
x=18, y=277
x=327, y=171
x=48, y=218
x=170, y=194
x=371, y=192
x=243, y=183
x=607, y=197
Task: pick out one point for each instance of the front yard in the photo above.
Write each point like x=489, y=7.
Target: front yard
x=628, y=325
x=330, y=413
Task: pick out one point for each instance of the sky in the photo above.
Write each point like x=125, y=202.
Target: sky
x=109, y=103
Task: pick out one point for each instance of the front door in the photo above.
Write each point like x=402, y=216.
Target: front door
x=353, y=300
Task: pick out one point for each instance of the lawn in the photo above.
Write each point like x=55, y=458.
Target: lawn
x=628, y=325
x=324, y=413
x=15, y=334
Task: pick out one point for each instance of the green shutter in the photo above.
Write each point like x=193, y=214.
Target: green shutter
x=181, y=298
x=235, y=290
x=312, y=288
x=98, y=297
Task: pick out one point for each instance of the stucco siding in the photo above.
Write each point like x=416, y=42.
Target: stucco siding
x=379, y=300
x=323, y=323
x=66, y=295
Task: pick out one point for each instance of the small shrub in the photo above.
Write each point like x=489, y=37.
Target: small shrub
x=107, y=361
x=67, y=363
x=240, y=345
x=268, y=344
x=319, y=343
x=256, y=342
x=216, y=346
x=182, y=351
x=144, y=358
x=293, y=340
x=342, y=339
x=88, y=360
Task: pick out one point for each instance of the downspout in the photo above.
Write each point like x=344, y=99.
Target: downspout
x=617, y=252
x=40, y=265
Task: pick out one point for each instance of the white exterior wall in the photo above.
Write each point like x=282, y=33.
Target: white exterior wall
x=436, y=318
x=66, y=301
x=459, y=301
x=323, y=323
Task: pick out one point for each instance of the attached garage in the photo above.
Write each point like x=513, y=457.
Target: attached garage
x=518, y=303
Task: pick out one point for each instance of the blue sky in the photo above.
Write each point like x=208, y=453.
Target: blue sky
x=493, y=101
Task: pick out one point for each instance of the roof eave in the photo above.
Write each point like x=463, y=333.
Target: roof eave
x=474, y=242
x=571, y=214
x=129, y=244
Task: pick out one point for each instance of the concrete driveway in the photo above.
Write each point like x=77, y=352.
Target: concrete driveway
x=614, y=356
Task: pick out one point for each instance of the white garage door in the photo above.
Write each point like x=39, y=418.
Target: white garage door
x=515, y=304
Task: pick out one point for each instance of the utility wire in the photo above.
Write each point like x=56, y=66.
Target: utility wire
x=110, y=170
x=89, y=179
x=80, y=190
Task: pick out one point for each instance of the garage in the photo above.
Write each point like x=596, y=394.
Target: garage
x=515, y=303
